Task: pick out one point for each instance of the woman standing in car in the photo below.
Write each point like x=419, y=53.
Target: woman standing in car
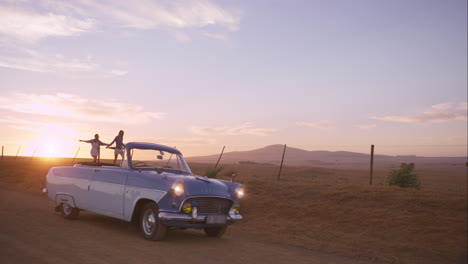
x=95, y=147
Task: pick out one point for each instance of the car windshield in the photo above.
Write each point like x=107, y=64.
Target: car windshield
x=159, y=160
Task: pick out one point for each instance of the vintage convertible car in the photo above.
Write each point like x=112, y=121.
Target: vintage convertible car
x=153, y=187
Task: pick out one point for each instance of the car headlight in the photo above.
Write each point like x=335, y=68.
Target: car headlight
x=240, y=192
x=178, y=188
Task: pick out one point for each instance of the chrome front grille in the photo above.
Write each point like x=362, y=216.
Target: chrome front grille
x=210, y=205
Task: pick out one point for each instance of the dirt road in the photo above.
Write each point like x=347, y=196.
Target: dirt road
x=31, y=232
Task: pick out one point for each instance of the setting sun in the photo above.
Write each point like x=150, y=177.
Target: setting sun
x=51, y=150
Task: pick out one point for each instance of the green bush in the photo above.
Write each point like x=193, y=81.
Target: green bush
x=212, y=172
x=404, y=177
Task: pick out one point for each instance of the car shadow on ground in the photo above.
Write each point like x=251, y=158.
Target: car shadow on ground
x=132, y=229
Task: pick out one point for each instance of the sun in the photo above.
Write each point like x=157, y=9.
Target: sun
x=51, y=150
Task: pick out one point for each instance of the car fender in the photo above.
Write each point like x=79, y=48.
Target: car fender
x=134, y=194
x=65, y=198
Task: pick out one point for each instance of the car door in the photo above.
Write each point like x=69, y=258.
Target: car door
x=106, y=191
x=73, y=181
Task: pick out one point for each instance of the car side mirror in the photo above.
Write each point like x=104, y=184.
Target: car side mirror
x=233, y=176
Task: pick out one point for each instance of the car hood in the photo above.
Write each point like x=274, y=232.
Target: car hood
x=202, y=186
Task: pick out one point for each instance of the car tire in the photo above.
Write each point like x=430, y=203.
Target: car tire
x=150, y=225
x=215, y=231
x=68, y=211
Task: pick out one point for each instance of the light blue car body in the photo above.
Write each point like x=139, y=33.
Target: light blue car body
x=117, y=191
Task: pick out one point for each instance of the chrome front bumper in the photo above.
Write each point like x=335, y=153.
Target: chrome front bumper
x=194, y=218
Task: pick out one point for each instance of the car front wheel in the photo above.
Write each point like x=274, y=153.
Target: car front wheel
x=150, y=225
x=68, y=211
x=215, y=231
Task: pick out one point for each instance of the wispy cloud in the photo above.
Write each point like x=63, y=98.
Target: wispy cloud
x=218, y=36
x=144, y=14
x=78, y=108
x=185, y=141
x=23, y=23
x=119, y=72
x=367, y=126
x=319, y=125
x=29, y=26
x=66, y=130
x=436, y=114
x=31, y=60
x=35, y=61
x=244, y=129
x=31, y=21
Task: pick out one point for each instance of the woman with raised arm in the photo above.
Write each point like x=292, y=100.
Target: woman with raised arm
x=95, y=147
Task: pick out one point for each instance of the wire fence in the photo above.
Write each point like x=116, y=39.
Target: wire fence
x=296, y=155
x=316, y=163
x=82, y=150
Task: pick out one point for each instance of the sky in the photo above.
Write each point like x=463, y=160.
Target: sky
x=203, y=74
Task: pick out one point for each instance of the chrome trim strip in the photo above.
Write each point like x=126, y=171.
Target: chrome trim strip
x=71, y=178
x=145, y=189
x=106, y=183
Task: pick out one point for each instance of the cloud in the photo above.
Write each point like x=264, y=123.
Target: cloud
x=196, y=141
x=30, y=26
x=144, y=14
x=244, y=129
x=217, y=36
x=23, y=23
x=367, y=126
x=31, y=21
x=31, y=60
x=319, y=125
x=436, y=114
x=78, y=108
x=35, y=61
x=119, y=72
x=62, y=130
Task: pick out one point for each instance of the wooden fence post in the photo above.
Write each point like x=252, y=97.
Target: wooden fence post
x=222, y=151
x=34, y=153
x=282, y=159
x=76, y=155
x=18, y=152
x=371, y=164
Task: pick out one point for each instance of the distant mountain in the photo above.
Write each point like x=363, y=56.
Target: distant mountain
x=328, y=159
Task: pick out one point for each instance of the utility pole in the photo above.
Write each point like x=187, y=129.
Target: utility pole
x=282, y=159
x=371, y=164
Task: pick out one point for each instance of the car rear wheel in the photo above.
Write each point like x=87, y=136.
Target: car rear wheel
x=150, y=225
x=215, y=231
x=68, y=211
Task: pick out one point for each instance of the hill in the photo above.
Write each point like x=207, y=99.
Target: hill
x=325, y=159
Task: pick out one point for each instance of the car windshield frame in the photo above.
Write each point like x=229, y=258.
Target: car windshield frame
x=178, y=156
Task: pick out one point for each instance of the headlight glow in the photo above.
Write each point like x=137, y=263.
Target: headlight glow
x=240, y=192
x=178, y=188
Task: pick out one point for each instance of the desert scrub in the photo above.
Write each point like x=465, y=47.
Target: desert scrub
x=404, y=177
x=212, y=172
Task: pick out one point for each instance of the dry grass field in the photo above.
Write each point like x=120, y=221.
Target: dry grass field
x=330, y=210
